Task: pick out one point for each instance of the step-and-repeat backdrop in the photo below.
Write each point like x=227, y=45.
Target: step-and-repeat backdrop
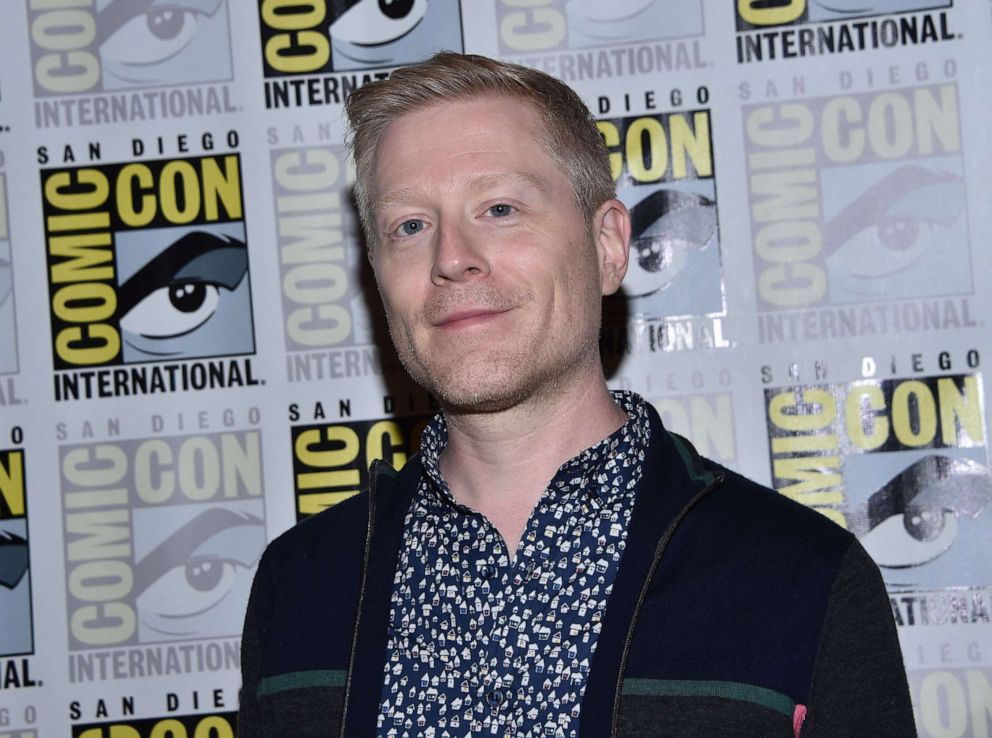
x=192, y=359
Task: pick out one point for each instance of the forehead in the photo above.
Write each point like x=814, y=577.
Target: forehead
x=452, y=135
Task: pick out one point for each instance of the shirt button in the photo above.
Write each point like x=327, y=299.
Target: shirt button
x=495, y=698
x=488, y=571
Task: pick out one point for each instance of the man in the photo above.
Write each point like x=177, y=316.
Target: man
x=553, y=562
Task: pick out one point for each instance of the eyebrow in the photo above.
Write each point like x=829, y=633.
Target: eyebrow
x=872, y=203
x=196, y=256
x=119, y=12
x=478, y=182
x=178, y=547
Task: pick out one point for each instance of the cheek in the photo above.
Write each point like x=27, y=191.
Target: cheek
x=393, y=290
x=580, y=279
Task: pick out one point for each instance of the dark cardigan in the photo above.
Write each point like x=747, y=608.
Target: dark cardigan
x=736, y=612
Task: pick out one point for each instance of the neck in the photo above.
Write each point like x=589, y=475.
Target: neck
x=501, y=463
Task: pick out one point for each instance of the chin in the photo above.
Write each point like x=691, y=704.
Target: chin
x=479, y=400
x=491, y=384
x=493, y=378
x=485, y=391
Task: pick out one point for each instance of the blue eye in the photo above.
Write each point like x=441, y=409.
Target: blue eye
x=411, y=227
x=501, y=210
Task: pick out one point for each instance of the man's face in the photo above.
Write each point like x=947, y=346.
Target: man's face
x=491, y=280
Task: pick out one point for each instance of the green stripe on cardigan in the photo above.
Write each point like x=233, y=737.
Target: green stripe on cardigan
x=301, y=680
x=728, y=690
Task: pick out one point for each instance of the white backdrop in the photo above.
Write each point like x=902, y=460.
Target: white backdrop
x=191, y=359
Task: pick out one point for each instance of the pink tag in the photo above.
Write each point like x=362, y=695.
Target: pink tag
x=797, y=719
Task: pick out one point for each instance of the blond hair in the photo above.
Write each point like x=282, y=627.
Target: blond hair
x=569, y=131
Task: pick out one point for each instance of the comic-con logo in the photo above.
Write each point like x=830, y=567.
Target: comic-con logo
x=15, y=581
x=320, y=36
x=216, y=725
x=787, y=29
x=162, y=536
x=8, y=331
x=107, y=45
x=529, y=26
x=752, y=14
x=115, y=45
x=148, y=261
x=663, y=167
x=331, y=461
x=902, y=463
x=321, y=262
x=857, y=198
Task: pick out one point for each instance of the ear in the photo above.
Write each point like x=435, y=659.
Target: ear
x=611, y=233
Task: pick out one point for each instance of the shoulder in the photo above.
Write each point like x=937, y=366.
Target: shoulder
x=334, y=540
x=757, y=517
x=333, y=531
x=760, y=507
x=314, y=566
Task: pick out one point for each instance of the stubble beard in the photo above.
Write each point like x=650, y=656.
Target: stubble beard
x=481, y=378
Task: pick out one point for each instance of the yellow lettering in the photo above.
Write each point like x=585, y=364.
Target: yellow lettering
x=866, y=428
x=136, y=178
x=763, y=13
x=960, y=412
x=90, y=189
x=692, y=141
x=103, y=624
x=12, y=482
x=85, y=302
x=531, y=30
x=178, y=178
x=908, y=396
x=222, y=187
x=92, y=344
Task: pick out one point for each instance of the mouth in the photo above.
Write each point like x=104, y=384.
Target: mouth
x=469, y=318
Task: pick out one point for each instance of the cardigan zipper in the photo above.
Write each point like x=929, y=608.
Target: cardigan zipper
x=361, y=597
x=658, y=553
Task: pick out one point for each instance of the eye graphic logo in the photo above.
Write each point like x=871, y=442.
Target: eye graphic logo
x=870, y=205
x=148, y=262
x=906, y=225
x=168, y=553
x=667, y=227
x=663, y=166
x=189, y=298
x=8, y=330
x=578, y=24
x=194, y=582
x=342, y=35
x=15, y=581
x=927, y=525
x=117, y=45
x=901, y=463
x=595, y=23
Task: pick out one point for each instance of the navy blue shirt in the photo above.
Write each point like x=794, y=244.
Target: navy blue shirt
x=482, y=644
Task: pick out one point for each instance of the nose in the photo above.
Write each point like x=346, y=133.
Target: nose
x=458, y=257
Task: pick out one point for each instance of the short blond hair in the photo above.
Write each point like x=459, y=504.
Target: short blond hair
x=570, y=135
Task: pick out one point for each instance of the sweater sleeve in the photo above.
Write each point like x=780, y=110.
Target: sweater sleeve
x=859, y=684
x=249, y=714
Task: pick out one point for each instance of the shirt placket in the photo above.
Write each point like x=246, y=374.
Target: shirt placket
x=497, y=611
x=485, y=567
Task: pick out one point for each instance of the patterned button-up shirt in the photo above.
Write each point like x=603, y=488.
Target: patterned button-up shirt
x=482, y=644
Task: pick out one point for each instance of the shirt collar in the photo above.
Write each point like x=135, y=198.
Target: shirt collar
x=599, y=470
